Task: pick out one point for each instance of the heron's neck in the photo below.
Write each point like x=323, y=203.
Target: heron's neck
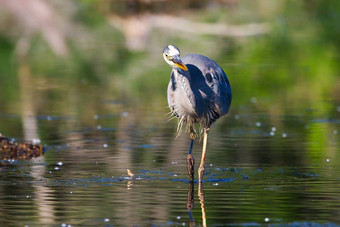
x=180, y=73
x=182, y=79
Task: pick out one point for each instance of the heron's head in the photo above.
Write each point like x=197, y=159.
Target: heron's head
x=171, y=56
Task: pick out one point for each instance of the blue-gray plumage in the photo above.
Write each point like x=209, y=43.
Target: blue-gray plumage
x=198, y=92
x=200, y=95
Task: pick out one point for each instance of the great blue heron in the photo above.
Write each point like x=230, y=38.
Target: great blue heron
x=198, y=92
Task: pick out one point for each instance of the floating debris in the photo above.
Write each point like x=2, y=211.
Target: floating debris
x=9, y=150
x=130, y=173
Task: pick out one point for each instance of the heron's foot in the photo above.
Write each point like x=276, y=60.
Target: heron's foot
x=191, y=165
x=200, y=173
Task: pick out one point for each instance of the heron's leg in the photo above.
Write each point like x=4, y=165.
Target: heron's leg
x=190, y=203
x=190, y=159
x=201, y=168
x=192, y=138
x=201, y=196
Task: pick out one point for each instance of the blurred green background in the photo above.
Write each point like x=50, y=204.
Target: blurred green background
x=62, y=57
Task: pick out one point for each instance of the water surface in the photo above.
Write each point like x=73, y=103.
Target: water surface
x=261, y=168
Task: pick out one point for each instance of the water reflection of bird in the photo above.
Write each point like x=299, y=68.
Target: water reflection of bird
x=198, y=92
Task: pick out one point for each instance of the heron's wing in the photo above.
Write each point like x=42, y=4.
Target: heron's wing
x=221, y=88
x=209, y=78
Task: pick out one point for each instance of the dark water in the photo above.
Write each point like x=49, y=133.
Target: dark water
x=261, y=169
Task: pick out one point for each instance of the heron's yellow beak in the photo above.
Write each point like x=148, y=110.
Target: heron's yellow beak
x=178, y=63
